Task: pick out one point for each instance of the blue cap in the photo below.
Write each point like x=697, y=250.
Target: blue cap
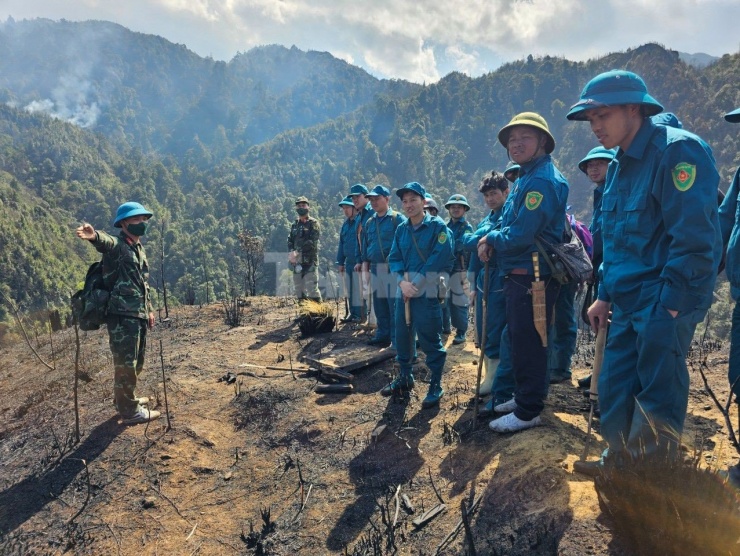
x=380, y=190
x=128, y=210
x=414, y=186
x=346, y=202
x=668, y=119
x=358, y=189
x=597, y=153
x=457, y=199
x=614, y=88
x=512, y=171
x=733, y=116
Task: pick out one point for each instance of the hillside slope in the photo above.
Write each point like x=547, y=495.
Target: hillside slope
x=267, y=448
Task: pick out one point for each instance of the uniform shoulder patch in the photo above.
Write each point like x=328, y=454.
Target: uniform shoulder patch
x=442, y=237
x=533, y=200
x=684, y=175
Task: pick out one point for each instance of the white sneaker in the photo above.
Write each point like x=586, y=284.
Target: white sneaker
x=506, y=407
x=487, y=383
x=143, y=415
x=512, y=423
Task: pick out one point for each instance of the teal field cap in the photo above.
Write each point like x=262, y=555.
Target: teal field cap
x=414, y=186
x=511, y=172
x=597, y=153
x=379, y=190
x=358, y=189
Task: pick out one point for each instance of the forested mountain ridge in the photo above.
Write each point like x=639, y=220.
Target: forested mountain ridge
x=214, y=157
x=141, y=90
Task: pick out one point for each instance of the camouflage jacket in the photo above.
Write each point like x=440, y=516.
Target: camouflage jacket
x=304, y=238
x=126, y=275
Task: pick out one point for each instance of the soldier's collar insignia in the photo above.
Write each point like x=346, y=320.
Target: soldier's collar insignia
x=684, y=175
x=533, y=200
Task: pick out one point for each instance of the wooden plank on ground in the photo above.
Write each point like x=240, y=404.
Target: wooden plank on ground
x=350, y=359
x=428, y=516
x=334, y=389
x=336, y=374
x=378, y=432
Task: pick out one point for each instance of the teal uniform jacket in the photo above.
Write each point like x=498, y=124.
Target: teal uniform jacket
x=347, y=240
x=595, y=227
x=660, y=222
x=360, y=221
x=535, y=208
x=435, y=244
x=470, y=243
x=378, y=236
x=729, y=219
x=461, y=254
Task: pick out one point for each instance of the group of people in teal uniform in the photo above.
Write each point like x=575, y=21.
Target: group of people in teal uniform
x=658, y=238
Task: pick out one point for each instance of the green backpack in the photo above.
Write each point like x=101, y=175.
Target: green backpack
x=90, y=304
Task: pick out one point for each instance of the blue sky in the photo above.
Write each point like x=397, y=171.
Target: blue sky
x=417, y=40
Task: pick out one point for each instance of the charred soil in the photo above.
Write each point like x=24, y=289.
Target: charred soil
x=258, y=463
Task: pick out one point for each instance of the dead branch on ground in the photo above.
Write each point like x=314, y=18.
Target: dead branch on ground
x=16, y=314
x=87, y=498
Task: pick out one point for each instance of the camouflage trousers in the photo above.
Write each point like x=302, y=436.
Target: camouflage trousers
x=127, y=340
x=306, y=283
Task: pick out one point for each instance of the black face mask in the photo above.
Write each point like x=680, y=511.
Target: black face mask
x=137, y=229
x=302, y=211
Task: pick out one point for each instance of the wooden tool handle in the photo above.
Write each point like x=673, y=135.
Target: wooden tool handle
x=536, y=265
x=598, y=361
x=407, y=303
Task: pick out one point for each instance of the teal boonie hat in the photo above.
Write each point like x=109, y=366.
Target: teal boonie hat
x=346, y=202
x=614, y=88
x=128, y=210
x=358, y=189
x=512, y=171
x=379, y=190
x=597, y=153
x=457, y=199
x=733, y=116
x=414, y=186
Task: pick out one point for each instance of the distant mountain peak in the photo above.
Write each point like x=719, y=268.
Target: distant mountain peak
x=698, y=59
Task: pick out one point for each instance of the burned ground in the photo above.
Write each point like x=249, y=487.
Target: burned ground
x=260, y=464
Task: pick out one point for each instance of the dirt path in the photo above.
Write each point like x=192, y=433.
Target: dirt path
x=267, y=444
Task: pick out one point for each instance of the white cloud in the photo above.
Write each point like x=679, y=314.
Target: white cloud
x=466, y=62
x=399, y=38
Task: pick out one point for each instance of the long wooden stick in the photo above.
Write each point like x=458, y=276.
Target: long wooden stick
x=484, y=334
x=164, y=385
x=593, y=394
x=407, y=303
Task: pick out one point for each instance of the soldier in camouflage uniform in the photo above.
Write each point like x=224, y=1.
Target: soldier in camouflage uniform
x=130, y=312
x=303, y=243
